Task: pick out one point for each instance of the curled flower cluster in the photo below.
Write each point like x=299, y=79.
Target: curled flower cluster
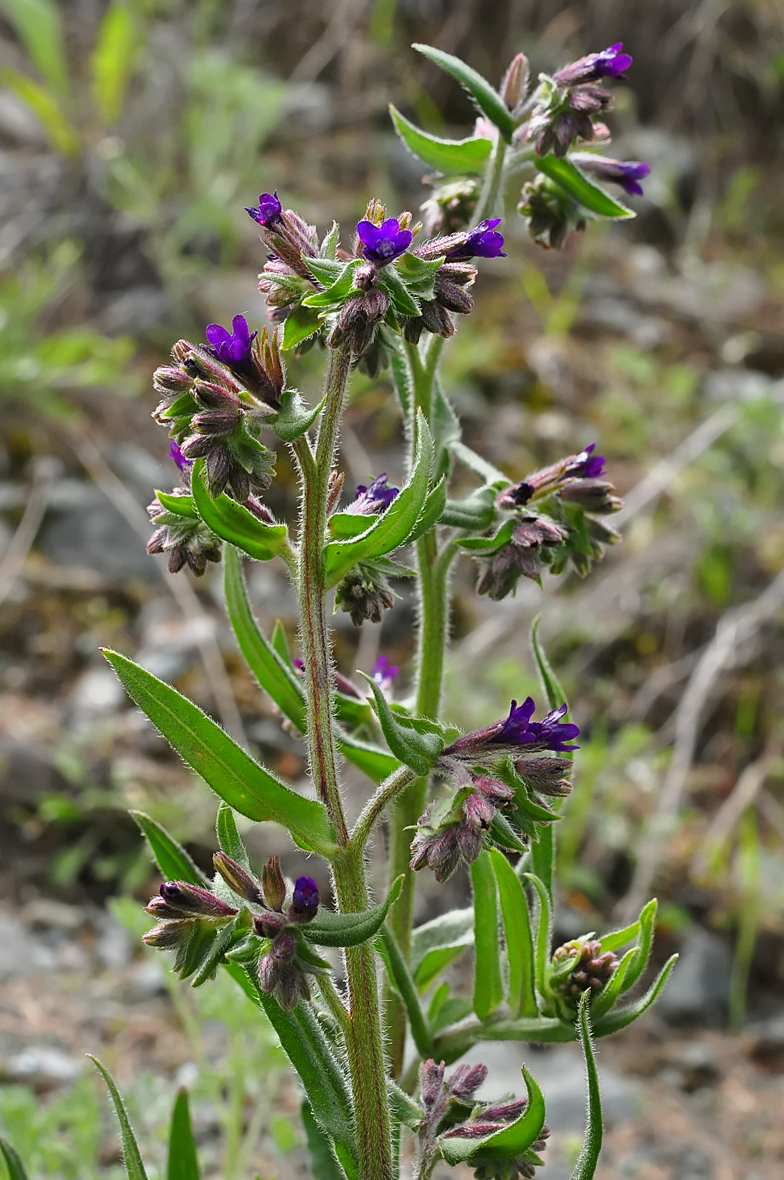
x=553, y=521
x=501, y=773
x=588, y=968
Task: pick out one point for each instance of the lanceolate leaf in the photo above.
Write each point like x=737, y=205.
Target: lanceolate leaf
x=229, y=839
x=376, y=763
x=417, y=750
x=328, y=929
x=458, y=157
x=179, y=505
x=301, y=323
x=488, y=988
x=436, y=944
x=12, y=1161
x=603, y=1002
x=574, y=182
x=477, y=512
x=647, y=928
x=487, y=99
x=519, y=942
x=233, y=522
x=322, y=1161
x=132, y=1159
x=243, y=783
x=544, y=931
x=182, y=1163
x=171, y=858
x=400, y=977
x=620, y=1018
x=508, y=1143
x=270, y=669
x=393, y=527
x=588, y=1158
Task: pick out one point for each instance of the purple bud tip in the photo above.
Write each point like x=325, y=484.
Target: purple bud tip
x=375, y=497
x=184, y=465
x=384, y=672
x=608, y=63
x=306, y=897
x=587, y=465
x=269, y=210
x=483, y=241
x=384, y=243
x=233, y=348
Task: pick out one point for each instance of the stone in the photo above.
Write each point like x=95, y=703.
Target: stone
x=698, y=990
x=83, y=529
x=20, y=952
x=43, y=1065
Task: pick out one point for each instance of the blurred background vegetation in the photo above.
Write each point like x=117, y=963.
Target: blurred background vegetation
x=131, y=136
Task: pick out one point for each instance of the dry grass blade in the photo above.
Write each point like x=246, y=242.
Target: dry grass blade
x=23, y=538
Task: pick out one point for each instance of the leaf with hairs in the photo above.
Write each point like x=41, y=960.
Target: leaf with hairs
x=588, y=1158
x=453, y=157
x=416, y=750
x=508, y=1143
x=322, y=1159
x=229, y=839
x=486, y=98
x=328, y=929
x=488, y=986
x=436, y=944
x=234, y=523
x=519, y=941
x=238, y=779
x=400, y=978
x=574, y=182
x=300, y=324
x=620, y=1018
x=544, y=932
x=134, y=1167
x=171, y=858
x=182, y=1161
x=376, y=763
x=294, y=416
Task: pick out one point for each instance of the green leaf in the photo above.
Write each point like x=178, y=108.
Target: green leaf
x=622, y=1017
x=543, y=853
x=417, y=750
x=294, y=416
x=329, y=244
x=618, y=938
x=179, y=505
x=397, y=291
x=488, y=986
x=182, y=1163
x=132, y=1159
x=322, y=1159
x=112, y=60
x=235, y=777
x=544, y=931
x=346, y=525
x=477, y=512
x=543, y=1030
x=574, y=182
x=299, y=324
x=39, y=25
x=479, y=465
x=46, y=107
x=588, y=1158
x=550, y=682
x=400, y=977
x=402, y=380
x=326, y=270
x=519, y=942
x=392, y=528
x=403, y=1108
x=376, y=763
x=604, y=1000
x=234, y=522
x=229, y=838
x=647, y=929
x=489, y=544
x=486, y=98
x=338, y=291
x=453, y=157
x=436, y=944
x=508, y=1143
x=275, y=675
x=328, y=929
x=431, y=513
x=12, y=1161
x=171, y=858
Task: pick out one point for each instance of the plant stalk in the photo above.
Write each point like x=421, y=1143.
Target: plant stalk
x=364, y=1042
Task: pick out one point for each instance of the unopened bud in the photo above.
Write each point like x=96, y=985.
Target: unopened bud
x=273, y=884
x=271, y=924
x=306, y=898
x=237, y=878
x=515, y=83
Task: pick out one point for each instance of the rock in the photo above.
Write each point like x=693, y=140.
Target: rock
x=698, y=990
x=26, y=772
x=42, y=1065
x=97, y=693
x=20, y=952
x=114, y=945
x=694, y=1164
x=730, y=385
x=83, y=529
x=766, y=1048
x=691, y=1067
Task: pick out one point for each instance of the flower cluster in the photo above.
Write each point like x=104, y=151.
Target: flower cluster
x=185, y=539
x=577, y=966
x=500, y=772
x=364, y=592
x=215, y=399
x=452, y=1112
x=568, y=104
x=552, y=521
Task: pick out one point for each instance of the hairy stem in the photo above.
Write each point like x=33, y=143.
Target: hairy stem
x=491, y=189
x=364, y=1041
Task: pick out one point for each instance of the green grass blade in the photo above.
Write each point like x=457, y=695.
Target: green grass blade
x=132, y=1159
x=238, y=779
x=182, y=1162
x=488, y=985
x=39, y=25
x=588, y=1158
x=47, y=108
x=112, y=60
x=13, y=1163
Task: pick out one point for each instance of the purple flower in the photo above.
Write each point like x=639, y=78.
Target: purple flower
x=586, y=464
x=549, y=734
x=384, y=673
x=233, y=348
x=626, y=173
x=483, y=241
x=269, y=210
x=375, y=498
x=184, y=465
x=384, y=243
x=306, y=897
x=608, y=63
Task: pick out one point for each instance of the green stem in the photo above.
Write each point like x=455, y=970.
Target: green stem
x=364, y=1043
x=491, y=188
x=386, y=793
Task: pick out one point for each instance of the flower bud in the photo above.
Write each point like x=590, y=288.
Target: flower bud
x=306, y=898
x=591, y=971
x=237, y=878
x=171, y=380
x=515, y=83
x=479, y=811
x=270, y=924
x=215, y=423
x=273, y=884
x=466, y=1079
x=181, y=899
x=364, y=594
